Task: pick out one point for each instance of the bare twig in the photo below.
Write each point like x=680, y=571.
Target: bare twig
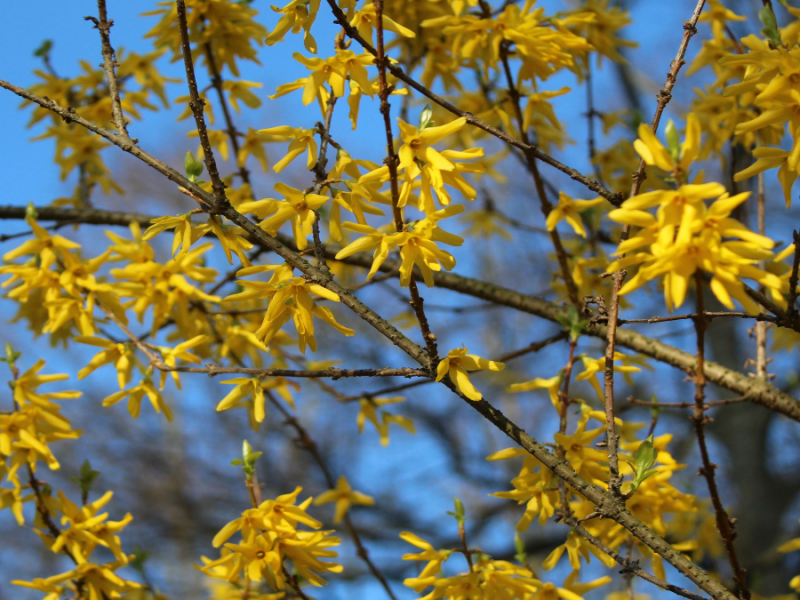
x=707, y=315
x=710, y=404
x=699, y=419
x=196, y=103
x=233, y=133
x=103, y=25
x=321, y=174
x=546, y=206
x=332, y=373
x=792, y=312
x=664, y=97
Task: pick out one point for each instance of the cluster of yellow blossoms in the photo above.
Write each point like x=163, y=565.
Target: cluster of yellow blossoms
x=26, y=434
x=270, y=536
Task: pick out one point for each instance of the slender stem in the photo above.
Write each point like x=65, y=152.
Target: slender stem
x=561, y=452
x=383, y=92
x=699, y=419
x=321, y=175
x=103, y=25
x=310, y=445
x=707, y=405
x=664, y=97
x=546, y=206
x=417, y=304
x=196, y=103
x=761, y=326
x=792, y=311
x=233, y=134
x=392, y=161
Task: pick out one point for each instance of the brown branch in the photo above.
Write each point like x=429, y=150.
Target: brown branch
x=417, y=302
x=341, y=19
x=630, y=566
x=664, y=96
x=233, y=134
x=332, y=373
x=607, y=505
x=561, y=452
x=761, y=327
x=707, y=315
x=197, y=104
x=545, y=205
x=103, y=25
x=534, y=347
x=699, y=419
x=707, y=405
x=321, y=173
x=792, y=312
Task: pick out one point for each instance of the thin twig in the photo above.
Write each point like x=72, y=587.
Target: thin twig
x=197, y=104
x=310, y=445
x=233, y=133
x=664, y=97
x=710, y=404
x=707, y=315
x=392, y=161
x=544, y=203
x=103, y=25
x=761, y=327
x=321, y=173
x=331, y=373
x=792, y=311
x=699, y=419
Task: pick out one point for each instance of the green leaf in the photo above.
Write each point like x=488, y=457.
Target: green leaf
x=654, y=410
x=768, y=18
x=193, y=166
x=139, y=558
x=673, y=140
x=645, y=456
x=770, y=30
x=43, y=51
x=425, y=119
x=30, y=211
x=86, y=478
x=643, y=461
x=248, y=460
x=573, y=323
x=519, y=546
x=459, y=513
x=11, y=356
